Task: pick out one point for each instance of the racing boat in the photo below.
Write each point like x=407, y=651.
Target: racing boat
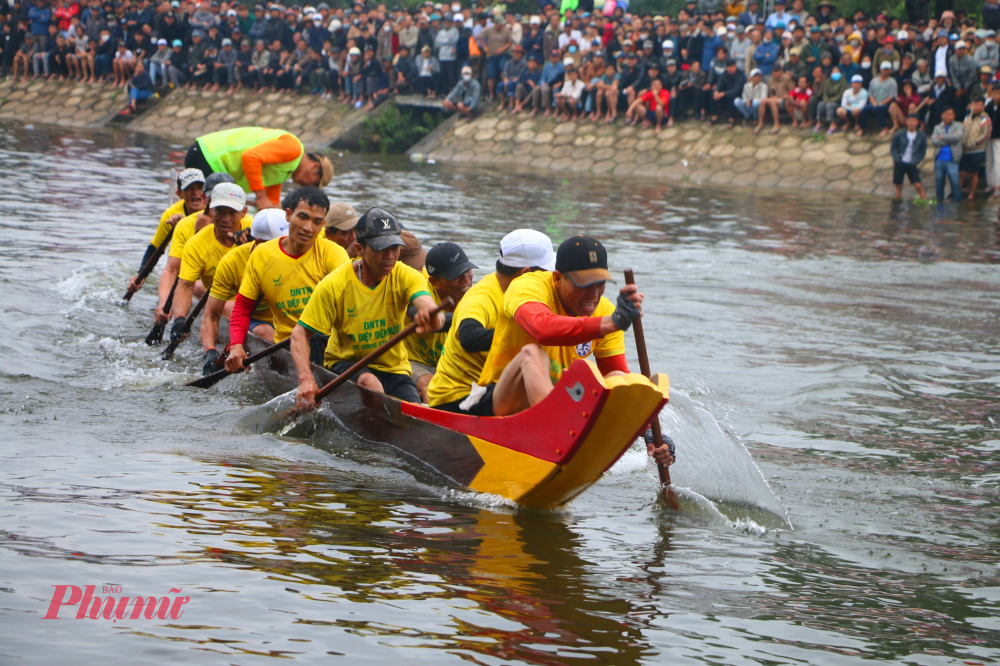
x=542, y=457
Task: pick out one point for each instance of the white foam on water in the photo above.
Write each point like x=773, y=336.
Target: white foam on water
x=713, y=463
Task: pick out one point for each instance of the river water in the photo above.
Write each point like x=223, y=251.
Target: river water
x=835, y=383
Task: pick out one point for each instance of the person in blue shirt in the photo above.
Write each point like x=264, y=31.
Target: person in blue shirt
x=549, y=84
x=526, y=85
x=779, y=15
x=748, y=19
x=39, y=17
x=766, y=53
x=711, y=45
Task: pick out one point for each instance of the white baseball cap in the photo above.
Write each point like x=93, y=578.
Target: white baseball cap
x=961, y=44
x=857, y=78
x=269, y=224
x=885, y=65
x=527, y=248
x=229, y=195
x=755, y=72
x=161, y=42
x=902, y=35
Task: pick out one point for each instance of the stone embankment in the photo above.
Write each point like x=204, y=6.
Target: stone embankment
x=689, y=152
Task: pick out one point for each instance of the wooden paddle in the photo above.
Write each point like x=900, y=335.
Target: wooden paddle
x=150, y=265
x=386, y=346
x=155, y=336
x=640, y=342
x=169, y=351
x=211, y=380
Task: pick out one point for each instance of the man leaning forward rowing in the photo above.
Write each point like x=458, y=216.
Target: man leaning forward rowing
x=360, y=306
x=283, y=273
x=551, y=319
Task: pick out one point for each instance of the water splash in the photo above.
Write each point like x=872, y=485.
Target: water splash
x=714, y=472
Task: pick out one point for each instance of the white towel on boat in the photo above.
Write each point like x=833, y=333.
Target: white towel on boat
x=475, y=396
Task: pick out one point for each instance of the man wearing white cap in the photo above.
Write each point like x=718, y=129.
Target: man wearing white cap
x=282, y=273
x=190, y=200
x=964, y=73
x=853, y=103
x=882, y=92
x=268, y=224
x=464, y=98
x=202, y=253
x=471, y=333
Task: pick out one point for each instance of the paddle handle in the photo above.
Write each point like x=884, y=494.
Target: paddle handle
x=212, y=379
x=640, y=344
x=155, y=336
x=150, y=265
x=199, y=306
x=386, y=346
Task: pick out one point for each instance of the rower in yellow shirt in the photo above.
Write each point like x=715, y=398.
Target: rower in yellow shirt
x=184, y=230
x=227, y=206
x=472, y=328
x=549, y=320
x=448, y=272
x=282, y=274
x=268, y=224
x=190, y=200
x=361, y=305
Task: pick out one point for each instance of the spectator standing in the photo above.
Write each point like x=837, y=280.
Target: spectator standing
x=908, y=147
x=963, y=71
x=992, y=109
x=496, y=44
x=888, y=54
x=446, y=43
x=988, y=53
x=943, y=95
x=947, y=142
x=882, y=93
x=766, y=54
x=991, y=15
x=976, y=131
x=740, y=48
x=464, y=99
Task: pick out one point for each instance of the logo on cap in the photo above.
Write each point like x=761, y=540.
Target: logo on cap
x=386, y=222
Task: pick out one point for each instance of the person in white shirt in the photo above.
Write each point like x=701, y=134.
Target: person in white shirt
x=852, y=103
x=568, y=98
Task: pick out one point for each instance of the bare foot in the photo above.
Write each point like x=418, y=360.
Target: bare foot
x=656, y=130
x=775, y=129
x=757, y=129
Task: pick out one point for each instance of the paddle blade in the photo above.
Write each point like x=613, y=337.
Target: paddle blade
x=155, y=336
x=209, y=381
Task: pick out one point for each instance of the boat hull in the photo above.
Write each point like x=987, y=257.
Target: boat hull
x=541, y=457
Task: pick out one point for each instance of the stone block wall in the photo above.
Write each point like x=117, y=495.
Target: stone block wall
x=689, y=152
x=185, y=114
x=65, y=103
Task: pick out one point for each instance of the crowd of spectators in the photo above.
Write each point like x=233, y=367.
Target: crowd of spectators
x=716, y=61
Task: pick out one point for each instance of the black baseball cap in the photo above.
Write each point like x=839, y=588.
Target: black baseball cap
x=379, y=229
x=447, y=261
x=583, y=260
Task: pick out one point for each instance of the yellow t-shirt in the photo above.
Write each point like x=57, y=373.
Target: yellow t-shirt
x=185, y=231
x=359, y=319
x=537, y=287
x=457, y=368
x=229, y=275
x=287, y=283
x=425, y=348
x=162, y=229
x=201, y=257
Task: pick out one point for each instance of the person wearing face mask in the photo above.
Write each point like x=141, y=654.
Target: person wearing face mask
x=854, y=47
x=765, y=55
x=889, y=54
x=464, y=99
x=829, y=101
x=988, y=53
x=866, y=70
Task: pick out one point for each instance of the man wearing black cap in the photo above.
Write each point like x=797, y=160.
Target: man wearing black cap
x=551, y=319
x=360, y=306
x=449, y=274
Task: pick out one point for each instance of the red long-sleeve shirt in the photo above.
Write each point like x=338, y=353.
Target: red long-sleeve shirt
x=551, y=330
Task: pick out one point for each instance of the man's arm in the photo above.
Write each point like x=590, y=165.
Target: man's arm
x=210, y=322
x=306, y=398
x=425, y=323
x=284, y=148
x=182, y=298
